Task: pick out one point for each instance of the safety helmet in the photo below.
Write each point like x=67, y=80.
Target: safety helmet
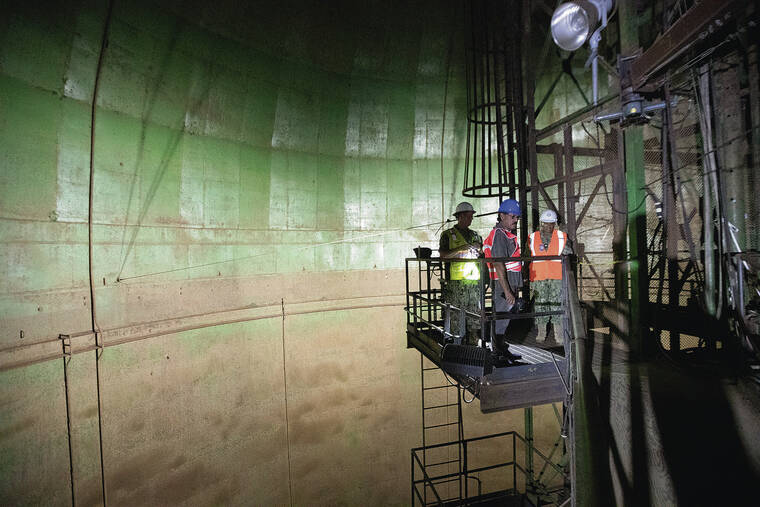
x=463, y=207
x=549, y=216
x=510, y=206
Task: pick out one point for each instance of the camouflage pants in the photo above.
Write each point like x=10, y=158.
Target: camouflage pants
x=463, y=294
x=548, y=298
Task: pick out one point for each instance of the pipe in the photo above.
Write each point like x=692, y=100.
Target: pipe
x=713, y=305
x=596, y=37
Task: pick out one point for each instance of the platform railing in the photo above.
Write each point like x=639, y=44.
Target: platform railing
x=493, y=480
x=428, y=311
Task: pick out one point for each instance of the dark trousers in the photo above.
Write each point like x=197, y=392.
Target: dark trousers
x=500, y=305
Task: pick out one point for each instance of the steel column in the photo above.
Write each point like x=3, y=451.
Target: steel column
x=635, y=181
x=569, y=184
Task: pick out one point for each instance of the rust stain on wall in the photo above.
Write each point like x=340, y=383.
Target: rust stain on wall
x=315, y=431
x=16, y=428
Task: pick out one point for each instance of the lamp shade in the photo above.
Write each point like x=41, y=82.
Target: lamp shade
x=570, y=26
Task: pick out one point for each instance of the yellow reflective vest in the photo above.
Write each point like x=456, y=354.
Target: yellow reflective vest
x=454, y=238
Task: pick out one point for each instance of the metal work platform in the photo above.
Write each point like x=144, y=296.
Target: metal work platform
x=534, y=380
x=541, y=375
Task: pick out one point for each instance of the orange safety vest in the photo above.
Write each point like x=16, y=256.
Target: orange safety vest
x=551, y=269
x=488, y=244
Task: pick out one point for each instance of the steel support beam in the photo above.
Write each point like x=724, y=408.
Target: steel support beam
x=669, y=165
x=569, y=184
x=675, y=40
x=530, y=88
x=633, y=141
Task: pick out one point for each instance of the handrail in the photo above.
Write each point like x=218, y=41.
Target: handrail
x=489, y=259
x=428, y=310
x=425, y=476
x=467, y=440
x=431, y=481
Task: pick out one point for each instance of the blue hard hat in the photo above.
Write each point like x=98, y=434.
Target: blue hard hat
x=510, y=206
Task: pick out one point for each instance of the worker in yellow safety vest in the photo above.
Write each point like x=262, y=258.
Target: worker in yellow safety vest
x=546, y=275
x=460, y=283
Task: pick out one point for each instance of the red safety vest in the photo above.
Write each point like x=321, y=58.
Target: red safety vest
x=488, y=244
x=551, y=269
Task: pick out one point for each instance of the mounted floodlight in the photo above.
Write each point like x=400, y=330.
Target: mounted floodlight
x=570, y=26
x=573, y=23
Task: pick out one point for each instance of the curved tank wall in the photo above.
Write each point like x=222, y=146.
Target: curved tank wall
x=258, y=170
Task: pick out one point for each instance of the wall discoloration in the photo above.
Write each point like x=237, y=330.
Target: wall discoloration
x=241, y=163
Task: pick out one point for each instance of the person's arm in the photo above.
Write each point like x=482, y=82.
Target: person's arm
x=567, y=250
x=443, y=245
x=445, y=252
x=502, y=272
x=500, y=249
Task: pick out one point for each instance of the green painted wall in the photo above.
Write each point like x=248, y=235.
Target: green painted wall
x=258, y=164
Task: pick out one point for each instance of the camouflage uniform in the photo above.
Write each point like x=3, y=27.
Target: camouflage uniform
x=461, y=293
x=548, y=298
x=548, y=294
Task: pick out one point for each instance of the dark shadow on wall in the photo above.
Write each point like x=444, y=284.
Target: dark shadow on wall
x=660, y=433
x=701, y=446
x=179, y=126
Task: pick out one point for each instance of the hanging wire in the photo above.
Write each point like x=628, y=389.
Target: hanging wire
x=439, y=224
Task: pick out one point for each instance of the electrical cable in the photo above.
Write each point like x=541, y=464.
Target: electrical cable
x=443, y=119
x=606, y=190
x=93, y=315
x=344, y=240
x=464, y=388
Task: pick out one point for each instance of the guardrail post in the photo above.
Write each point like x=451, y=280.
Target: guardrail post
x=462, y=326
x=464, y=470
x=529, y=446
x=411, y=471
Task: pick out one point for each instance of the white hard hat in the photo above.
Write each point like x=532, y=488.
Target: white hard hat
x=462, y=207
x=549, y=216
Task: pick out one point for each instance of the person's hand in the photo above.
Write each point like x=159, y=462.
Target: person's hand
x=510, y=299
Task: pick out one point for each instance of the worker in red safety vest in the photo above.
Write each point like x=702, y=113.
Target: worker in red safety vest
x=506, y=277
x=546, y=276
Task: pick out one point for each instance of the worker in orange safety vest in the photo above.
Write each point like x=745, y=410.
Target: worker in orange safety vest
x=546, y=276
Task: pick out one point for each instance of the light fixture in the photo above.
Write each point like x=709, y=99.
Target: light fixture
x=571, y=26
x=573, y=23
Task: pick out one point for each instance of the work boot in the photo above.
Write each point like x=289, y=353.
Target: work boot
x=502, y=353
x=512, y=357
